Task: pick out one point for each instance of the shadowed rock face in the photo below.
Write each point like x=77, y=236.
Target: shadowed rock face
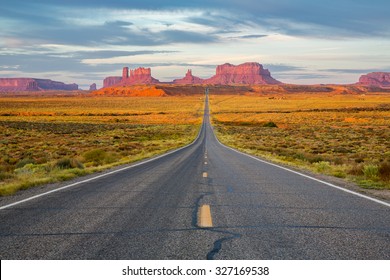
x=189, y=79
x=111, y=81
x=92, y=87
x=30, y=84
x=246, y=73
x=380, y=79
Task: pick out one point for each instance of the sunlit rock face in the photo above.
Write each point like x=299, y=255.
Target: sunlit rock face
x=139, y=76
x=188, y=79
x=250, y=73
x=380, y=79
x=246, y=73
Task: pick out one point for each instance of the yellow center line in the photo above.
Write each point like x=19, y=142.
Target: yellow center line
x=204, y=216
x=204, y=174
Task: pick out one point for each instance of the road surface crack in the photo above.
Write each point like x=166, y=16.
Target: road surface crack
x=218, y=243
x=217, y=247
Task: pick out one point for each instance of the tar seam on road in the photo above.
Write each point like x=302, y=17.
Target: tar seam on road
x=217, y=245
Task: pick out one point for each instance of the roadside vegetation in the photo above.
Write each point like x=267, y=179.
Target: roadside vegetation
x=346, y=136
x=50, y=139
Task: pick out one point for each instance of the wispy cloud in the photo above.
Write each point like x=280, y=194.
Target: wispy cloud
x=356, y=71
x=98, y=36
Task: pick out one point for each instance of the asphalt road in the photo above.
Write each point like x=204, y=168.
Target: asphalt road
x=253, y=210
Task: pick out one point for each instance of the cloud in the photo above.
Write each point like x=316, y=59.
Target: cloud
x=282, y=68
x=119, y=33
x=102, y=54
x=179, y=36
x=9, y=67
x=344, y=18
x=254, y=36
x=53, y=35
x=355, y=71
x=88, y=23
x=303, y=76
x=107, y=33
x=69, y=61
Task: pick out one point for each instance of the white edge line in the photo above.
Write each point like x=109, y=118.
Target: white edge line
x=307, y=176
x=106, y=174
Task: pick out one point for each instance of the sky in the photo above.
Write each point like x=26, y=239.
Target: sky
x=299, y=41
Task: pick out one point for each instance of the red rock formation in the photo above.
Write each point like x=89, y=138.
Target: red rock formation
x=226, y=74
x=246, y=73
x=111, y=81
x=44, y=84
x=30, y=84
x=139, y=76
x=189, y=79
x=18, y=84
x=379, y=79
x=125, y=72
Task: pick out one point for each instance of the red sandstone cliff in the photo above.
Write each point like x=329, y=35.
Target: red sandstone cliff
x=31, y=84
x=139, y=76
x=54, y=85
x=246, y=73
x=380, y=79
x=189, y=79
x=249, y=73
x=111, y=81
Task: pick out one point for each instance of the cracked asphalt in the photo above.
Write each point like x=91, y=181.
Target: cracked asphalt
x=149, y=211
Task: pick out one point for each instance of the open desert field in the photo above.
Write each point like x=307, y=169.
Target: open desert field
x=52, y=138
x=346, y=136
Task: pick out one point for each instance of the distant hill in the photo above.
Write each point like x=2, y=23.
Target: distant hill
x=378, y=79
x=32, y=84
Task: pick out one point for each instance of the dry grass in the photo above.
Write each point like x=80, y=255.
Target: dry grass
x=46, y=139
x=345, y=136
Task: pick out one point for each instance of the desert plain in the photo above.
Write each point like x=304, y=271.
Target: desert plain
x=338, y=131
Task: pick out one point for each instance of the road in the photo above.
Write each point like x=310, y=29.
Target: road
x=250, y=210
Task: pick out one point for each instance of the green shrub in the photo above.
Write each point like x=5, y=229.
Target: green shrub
x=100, y=157
x=371, y=171
x=270, y=124
x=96, y=156
x=384, y=171
x=322, y=166
x=315, y=159
x=339, y=173
x=24, y=162
x=68, y=163
x=5, y=175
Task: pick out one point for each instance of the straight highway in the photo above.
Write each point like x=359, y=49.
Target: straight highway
x=205, y=201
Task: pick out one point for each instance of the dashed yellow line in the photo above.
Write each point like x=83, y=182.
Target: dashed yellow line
x=205, y=174
x=204, y=216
